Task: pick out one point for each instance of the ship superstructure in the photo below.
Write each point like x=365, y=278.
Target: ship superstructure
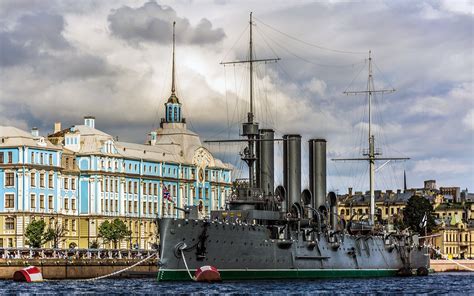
x=284, y=232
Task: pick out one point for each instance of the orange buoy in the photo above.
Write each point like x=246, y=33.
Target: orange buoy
x=29, y=274
x=207, y=273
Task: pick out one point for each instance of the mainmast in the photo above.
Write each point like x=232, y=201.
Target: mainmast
x=371, y=153
x=250, y=128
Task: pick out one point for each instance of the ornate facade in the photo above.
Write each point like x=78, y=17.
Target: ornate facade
x=81, y=176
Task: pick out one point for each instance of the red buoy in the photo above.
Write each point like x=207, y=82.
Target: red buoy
x=28, y=274
x=207, y=273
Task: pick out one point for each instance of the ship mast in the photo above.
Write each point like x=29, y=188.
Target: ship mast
x=371, y=153
x=250, y=128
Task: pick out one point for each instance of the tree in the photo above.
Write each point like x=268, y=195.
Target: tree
x=36, y=235
x=414, y=212
x=113, y=231
x=56, y=234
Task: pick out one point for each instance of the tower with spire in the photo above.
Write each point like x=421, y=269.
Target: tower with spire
x=173, y=112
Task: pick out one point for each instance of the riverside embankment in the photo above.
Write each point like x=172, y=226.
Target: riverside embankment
x=77, y=264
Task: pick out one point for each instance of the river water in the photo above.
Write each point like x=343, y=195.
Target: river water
x=435, y=284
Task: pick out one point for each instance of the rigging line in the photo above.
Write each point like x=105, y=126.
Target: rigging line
x=308, y=43
x=381, y=74
x=312, y=62
x=360, y=71
x=235, y=43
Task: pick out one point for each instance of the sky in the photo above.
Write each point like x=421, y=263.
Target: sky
x=62, y=60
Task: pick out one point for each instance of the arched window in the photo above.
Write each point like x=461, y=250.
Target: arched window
x=176, y=114
x=170, y=113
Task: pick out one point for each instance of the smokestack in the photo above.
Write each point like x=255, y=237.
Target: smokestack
x=57, y=127
x=333, y=206
x=35, y=132
x=265, y=162
x=317, y=171
x=292, y=168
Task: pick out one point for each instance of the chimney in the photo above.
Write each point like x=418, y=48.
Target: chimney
x=317, y=171
x=89, y=121
x=349, y=191
x=57, y=127
x=35, y=132
x=292, y=169
x=153, y=137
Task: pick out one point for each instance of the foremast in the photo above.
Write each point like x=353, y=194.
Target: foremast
x=250, y=128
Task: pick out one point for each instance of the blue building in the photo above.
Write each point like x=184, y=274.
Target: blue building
x=81, y=176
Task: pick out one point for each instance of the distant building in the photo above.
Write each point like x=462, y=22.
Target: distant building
x=455, y=192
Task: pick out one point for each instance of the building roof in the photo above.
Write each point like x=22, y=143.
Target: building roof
x=175, y=144
x=15, y=137
x=380, y=197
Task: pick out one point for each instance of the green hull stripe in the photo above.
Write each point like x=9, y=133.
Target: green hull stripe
x=252, y=274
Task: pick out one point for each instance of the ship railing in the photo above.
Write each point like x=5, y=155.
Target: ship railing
x=85, y=254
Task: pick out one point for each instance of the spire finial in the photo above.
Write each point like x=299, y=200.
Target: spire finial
x=173, y=88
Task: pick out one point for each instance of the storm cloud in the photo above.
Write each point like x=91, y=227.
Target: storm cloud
x=152, y=23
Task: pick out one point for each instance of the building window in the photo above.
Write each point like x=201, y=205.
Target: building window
x=33, y=179
x=9, y=223
x=9, y=179
x=155, y=207
x=50, y=159
x=73, y=225
x=130, y=187
x=144, y=188
x=135, y=206
x=116, y=186
x=130, y=206
x=73, y=184
x=10, y=157
x=106, y=187
x=170, y=113
x=50, y=202
x=106, y=205
x=66, y=183
x=155, y=189
x=41, y=201
x=150, y=207
x=116, y=205
x=41, y=158
x=144, y=207
x=9, y=201
x=1, y=157
x=135, y=187
x=73, y=204
x=32, y=201
x=42, y=180
x=50, y=180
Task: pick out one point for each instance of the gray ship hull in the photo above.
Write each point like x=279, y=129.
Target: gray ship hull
x=243, y=251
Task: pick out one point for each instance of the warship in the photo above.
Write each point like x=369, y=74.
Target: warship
x=287, y=232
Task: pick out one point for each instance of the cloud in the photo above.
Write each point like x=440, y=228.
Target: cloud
x=153, y=23
x=468, y=120
x=61, y=60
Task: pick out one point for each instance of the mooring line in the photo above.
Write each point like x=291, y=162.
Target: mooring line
x=447, y=258
x=186, y=265
x=118, y=271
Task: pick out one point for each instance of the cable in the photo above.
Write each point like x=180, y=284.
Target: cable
x=310, y=44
